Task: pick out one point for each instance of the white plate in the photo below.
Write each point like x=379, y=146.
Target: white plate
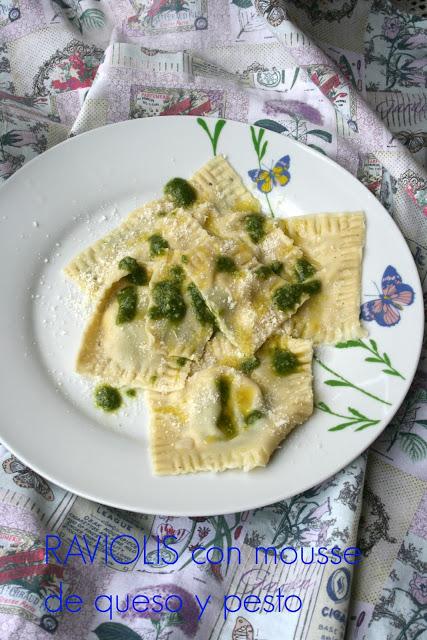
x=62, y=201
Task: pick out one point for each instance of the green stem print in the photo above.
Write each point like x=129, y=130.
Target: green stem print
x=356, y=418
x=376, y=357
x=260, y=147
x=213, y=137
x=221, y=536
x=340, y=381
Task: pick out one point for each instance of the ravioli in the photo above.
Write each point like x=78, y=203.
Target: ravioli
x=241, y=298
x=196, y=431
x=219, y=183
x=213, y=308
x=121, y=354
x=182, y=324
x=207, y=427
x=95, y=268
x=289, y=397
x=266, y=239
x=333, y=243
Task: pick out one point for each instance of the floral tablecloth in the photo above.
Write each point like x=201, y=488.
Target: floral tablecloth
x=346, y=77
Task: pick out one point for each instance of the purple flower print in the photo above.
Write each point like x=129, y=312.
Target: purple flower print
x=187, y=618
x=416, y=70
x=418, y=588
x=415, y=41
x=320, y=511
x=391, y=27
x=295, y=108
x=317, y=536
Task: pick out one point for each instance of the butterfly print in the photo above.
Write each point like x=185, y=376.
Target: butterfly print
x=413, y=140
x=243, y=630
x=266, y=179
x=395, y=295
x=27, y=478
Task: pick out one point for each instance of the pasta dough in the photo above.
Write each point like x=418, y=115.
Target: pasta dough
x=219, y=183
x=185, y=337
x=95, y=268
x=334, y=245
x=289, y=398
x=121, y=354
x=241, y=300
x=187, y=432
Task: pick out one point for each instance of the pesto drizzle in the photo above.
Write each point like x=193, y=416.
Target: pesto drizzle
x=253, y=416
x=225, y=421
x=249, y=364
x=304, y=269
x=225, y=264
x=168, y=300
x=128, y=304
x=181, y=192
x=137, y=272
x=254, y=226
x=201, y=309
x=158, y=245
x=284, y=362
x=107, y=398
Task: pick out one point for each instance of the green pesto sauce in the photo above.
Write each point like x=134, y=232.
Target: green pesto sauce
x=264, y=272
x=288, y=296
x=277, y=267
x=128, y=303
x=158, y=245
x=184, y=259
x=253, y=416
x=312, y=287
x=181, y=361
x=254, y=226
x=168, y=301
x=202, y=311
x=225, y=421
x=249, y=364
x=224, y=264
x=304, y=269
x=137, y=272
x=181, y=192
x=267, y=270
x=131, y=393
x=284, y=362
x=107, y=398
x=177, y=273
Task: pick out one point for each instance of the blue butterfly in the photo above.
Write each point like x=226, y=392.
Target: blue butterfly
x=266, y=179
x=385, y=310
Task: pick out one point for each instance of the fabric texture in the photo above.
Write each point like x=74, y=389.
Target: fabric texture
x=346, y=77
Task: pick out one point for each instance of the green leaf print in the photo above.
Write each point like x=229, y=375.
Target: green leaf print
x=214, y=138
x=376, y=356
x=115, y=631
x=92, y=19
x=413, y=445
x=340, y=381
x=355, y=419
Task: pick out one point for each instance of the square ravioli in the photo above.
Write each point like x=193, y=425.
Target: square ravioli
x=248, y=303
x=333, y=243
x=145, y=235
x=178, y=320
x=120, y=352
x=228, y=419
